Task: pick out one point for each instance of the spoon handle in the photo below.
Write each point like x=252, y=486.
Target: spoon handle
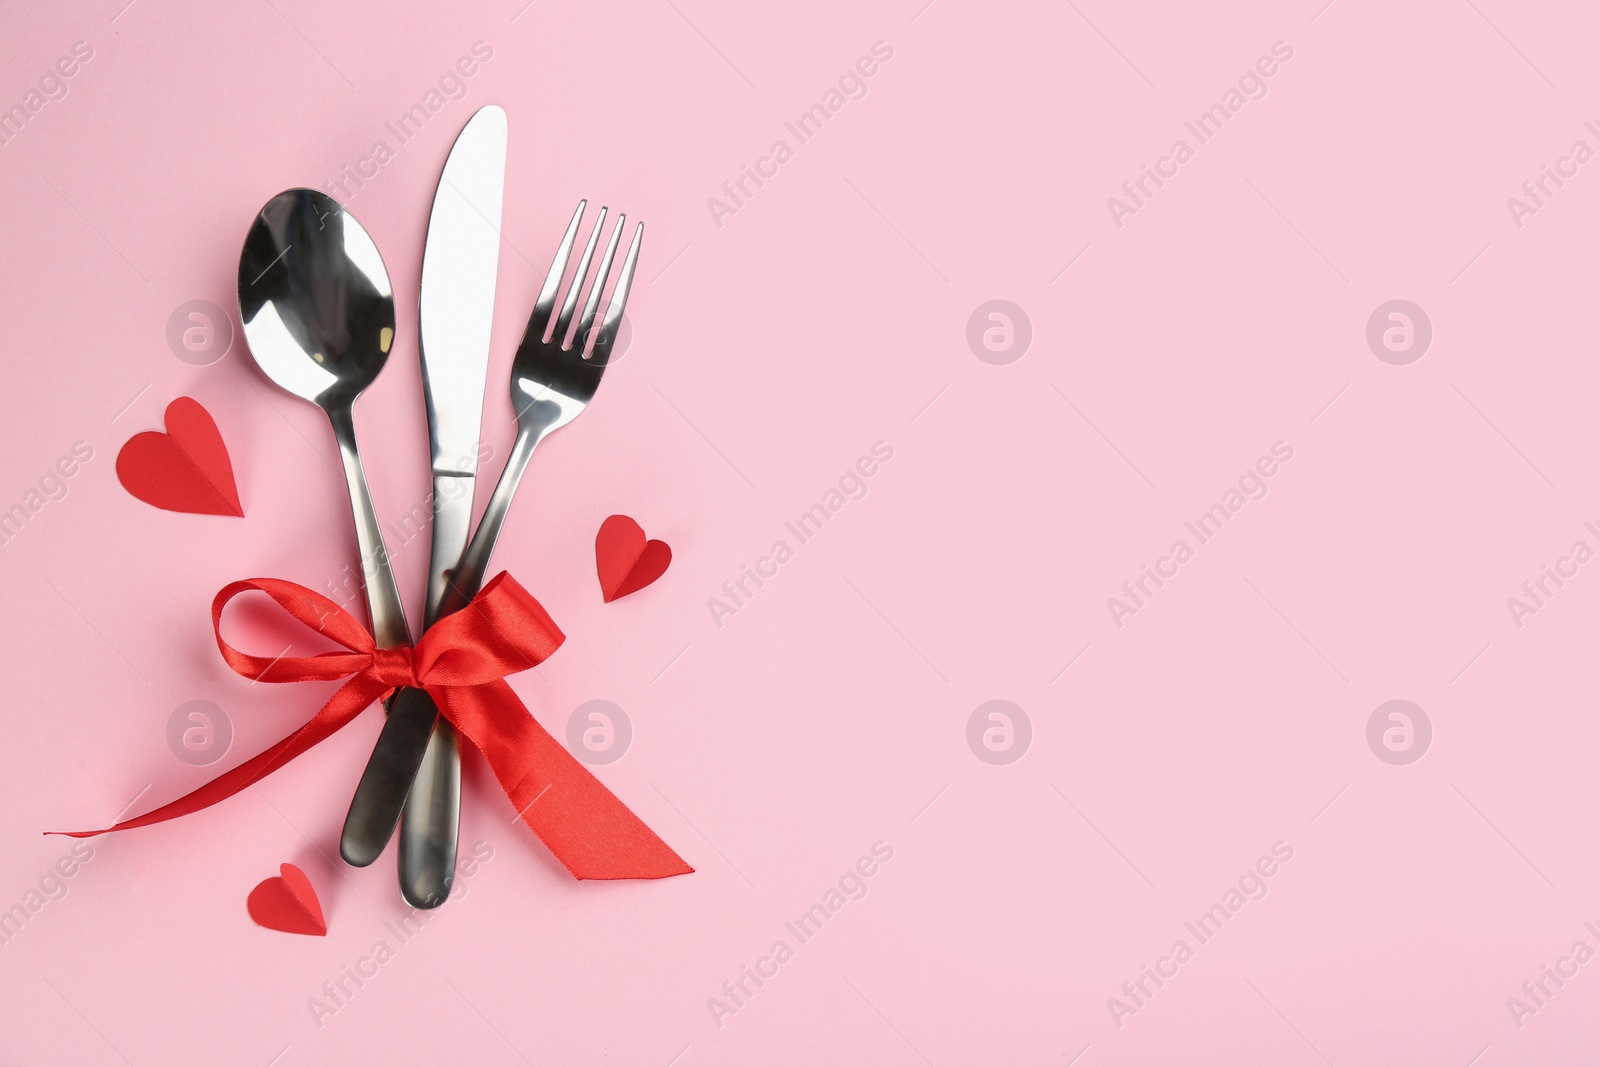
x=363, y=837
x=383, y=596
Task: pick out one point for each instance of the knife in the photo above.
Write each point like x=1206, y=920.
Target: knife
x=417, y=752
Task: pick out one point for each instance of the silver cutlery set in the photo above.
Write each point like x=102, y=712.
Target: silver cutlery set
x=318, y=315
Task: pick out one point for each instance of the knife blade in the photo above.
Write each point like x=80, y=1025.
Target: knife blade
x=459, y=265
x=416, y=763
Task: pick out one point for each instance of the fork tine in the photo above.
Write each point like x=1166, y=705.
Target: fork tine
x=539, y=321
x=619, y=299
x=586, y=323
x=564, y=321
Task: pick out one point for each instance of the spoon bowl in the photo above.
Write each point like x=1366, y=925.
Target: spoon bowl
x=315, y=299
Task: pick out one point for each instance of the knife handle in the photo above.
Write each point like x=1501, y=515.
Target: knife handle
x=431, y=823
x=431, y=819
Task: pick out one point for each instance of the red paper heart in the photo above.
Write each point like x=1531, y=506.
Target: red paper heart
x=287, y=903
x=626, y=561
x=184, y=469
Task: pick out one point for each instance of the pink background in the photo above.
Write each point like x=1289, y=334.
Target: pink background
x=830, y=312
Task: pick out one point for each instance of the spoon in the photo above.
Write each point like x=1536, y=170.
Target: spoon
x=318, y=314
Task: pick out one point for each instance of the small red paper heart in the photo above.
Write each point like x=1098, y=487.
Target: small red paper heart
x=184, y=469
x=626, y=561
x=287, y=903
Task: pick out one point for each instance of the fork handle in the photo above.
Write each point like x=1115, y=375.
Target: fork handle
x=403, y=743
x=465, y=579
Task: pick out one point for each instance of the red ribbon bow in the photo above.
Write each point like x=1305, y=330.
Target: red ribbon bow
x=462, y=661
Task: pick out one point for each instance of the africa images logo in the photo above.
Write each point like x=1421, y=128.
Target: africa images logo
x=852, y=485
x=852, y=885
x=1251, y=886
x=1252, y=485
x=851, y=85
x=1252, y=85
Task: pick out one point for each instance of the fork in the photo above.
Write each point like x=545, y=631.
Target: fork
x=552, y=381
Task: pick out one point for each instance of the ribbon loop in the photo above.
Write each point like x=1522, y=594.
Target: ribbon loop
x=462, y=662
x=483, y=642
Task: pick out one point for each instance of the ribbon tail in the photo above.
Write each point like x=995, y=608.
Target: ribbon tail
x=589, y=830
x=351, y=699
